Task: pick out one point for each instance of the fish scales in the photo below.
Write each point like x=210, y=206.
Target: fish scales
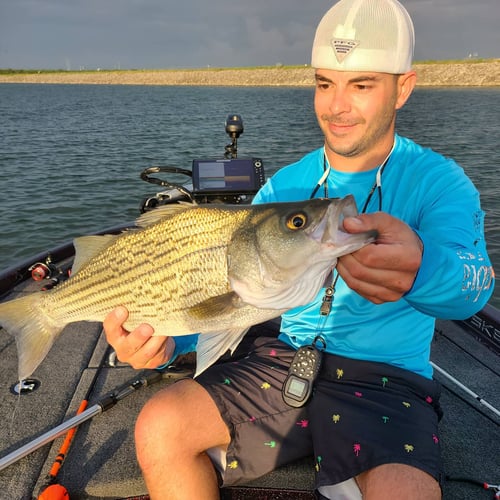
x=214, y=270
x=191, y=250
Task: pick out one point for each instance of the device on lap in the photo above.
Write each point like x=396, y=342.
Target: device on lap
x=304, y=369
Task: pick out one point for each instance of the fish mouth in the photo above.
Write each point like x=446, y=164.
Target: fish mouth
x=330, y=229
x=332, y=222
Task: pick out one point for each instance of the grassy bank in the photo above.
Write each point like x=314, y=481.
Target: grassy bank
x=429, y=73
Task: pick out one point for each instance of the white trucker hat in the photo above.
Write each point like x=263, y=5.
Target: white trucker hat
x=365, y=35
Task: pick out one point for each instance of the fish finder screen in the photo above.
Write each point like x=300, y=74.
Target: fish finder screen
x=234, y=175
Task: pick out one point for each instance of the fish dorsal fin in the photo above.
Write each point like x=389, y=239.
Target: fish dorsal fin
x=162, y=213
x=221, y=305
x=87, y=247
x=211, y=346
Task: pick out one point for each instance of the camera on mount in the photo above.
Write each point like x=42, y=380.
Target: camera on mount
x=229, y=180
x=234, y=128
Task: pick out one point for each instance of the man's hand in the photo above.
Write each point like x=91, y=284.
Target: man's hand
x=138, y=348
x=385, y=270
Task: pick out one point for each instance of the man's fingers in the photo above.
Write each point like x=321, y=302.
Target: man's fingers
x=113, y=324
x=139, y=348
x=386, y=286
x=155, y=352
x=141, y=336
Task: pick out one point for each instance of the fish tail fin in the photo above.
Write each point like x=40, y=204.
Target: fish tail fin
x=33, y=330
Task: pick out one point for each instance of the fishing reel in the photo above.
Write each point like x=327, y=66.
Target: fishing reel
x=230, y=180
x=43, y=270
x=46, y=271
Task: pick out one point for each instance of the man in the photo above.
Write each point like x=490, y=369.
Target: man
x=373, y=415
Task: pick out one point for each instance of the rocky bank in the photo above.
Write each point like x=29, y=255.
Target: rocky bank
x=466, y=73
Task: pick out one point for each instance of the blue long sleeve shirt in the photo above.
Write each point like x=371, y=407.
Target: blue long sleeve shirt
x=434, y=197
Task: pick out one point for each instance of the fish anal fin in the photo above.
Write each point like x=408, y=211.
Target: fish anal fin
x=87, y=247
x=211, y=346
x=216, y=306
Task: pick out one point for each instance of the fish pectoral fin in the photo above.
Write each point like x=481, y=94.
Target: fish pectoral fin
x=216, y=306
x=211, y=346
x=87, y=247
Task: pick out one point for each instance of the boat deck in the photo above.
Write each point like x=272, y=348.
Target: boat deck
x=101, y=462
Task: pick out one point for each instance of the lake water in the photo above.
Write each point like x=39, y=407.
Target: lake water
x=71, y=155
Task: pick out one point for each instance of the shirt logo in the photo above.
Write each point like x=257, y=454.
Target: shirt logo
x=343, y=47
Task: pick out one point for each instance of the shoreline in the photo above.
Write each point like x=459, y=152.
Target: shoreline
x=436, y=74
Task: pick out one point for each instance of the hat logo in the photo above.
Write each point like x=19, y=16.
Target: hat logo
x=343, y=47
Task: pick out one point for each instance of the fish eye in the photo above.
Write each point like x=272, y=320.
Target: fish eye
x=296, y=221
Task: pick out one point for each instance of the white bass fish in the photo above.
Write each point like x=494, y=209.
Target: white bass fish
x=209, y=269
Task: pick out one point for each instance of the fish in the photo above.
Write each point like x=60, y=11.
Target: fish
x=211, y=269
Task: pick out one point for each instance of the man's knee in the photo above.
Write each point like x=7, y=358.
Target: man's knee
x=172, y=432
x=184, y=415
x=398, y=481
x=157, y=425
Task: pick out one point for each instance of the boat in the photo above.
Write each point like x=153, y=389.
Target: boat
x=86, y=388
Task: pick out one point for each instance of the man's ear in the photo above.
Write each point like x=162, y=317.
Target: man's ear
x=406, y=83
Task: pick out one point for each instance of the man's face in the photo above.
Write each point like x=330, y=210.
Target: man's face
x=356, y=111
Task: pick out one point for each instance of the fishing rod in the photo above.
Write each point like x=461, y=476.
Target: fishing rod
x=145, y=379
x=466, y=389
x=486, y=486
x=51, y=490
x=494, y=487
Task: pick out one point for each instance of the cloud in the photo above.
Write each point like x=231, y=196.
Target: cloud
x=197, y=33
x=451, y=29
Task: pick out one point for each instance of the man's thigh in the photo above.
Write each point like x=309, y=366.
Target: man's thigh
x=265, y=432
x=364, y=415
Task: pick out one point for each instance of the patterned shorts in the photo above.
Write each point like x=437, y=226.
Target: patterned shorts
x=361, y=415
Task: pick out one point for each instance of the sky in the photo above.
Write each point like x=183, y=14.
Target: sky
x=157, y=34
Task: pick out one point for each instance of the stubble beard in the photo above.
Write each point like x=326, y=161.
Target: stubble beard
x=376, y=132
